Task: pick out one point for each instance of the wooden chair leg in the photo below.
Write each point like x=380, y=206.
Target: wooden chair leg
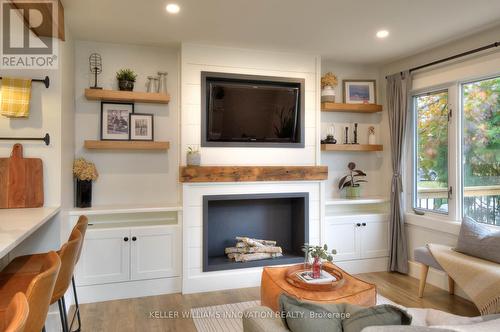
x=423, y=277
x=451, y=285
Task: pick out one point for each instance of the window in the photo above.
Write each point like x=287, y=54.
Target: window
x=431, y=151
x=456, y=151
x=481, y=150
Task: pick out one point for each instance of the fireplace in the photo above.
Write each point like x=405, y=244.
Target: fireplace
x=282, y=217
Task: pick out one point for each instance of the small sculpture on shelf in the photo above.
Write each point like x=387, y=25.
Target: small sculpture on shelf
x=351, y=182
x=84, y=172
x=372, y=139
x=330, y=136
x=328, y=83
x=95, y=63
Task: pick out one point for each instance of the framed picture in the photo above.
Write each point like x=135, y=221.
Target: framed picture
x=360, y=92
x=141, y=127
x=115, y=121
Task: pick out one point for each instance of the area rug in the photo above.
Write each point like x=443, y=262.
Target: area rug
x=227, y=317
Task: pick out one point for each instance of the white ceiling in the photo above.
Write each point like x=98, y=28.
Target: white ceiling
x=342, y=30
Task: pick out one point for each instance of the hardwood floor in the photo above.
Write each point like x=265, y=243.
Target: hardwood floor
x=134, y=314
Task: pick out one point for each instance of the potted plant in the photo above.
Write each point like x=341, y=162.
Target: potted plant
x=318, y=253
x=126, y=78
x=84, y=172
x=193, y=157
x=351, y=182
x=328, y=83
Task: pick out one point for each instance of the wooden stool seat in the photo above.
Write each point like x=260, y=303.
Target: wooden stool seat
x=14, y=318
x=354, y=290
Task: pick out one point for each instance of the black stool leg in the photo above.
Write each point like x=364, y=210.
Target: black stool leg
x=62, y=313
x=43, y=329
x=77, y=309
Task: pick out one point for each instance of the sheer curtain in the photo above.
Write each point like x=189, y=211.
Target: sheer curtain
x=398, y=91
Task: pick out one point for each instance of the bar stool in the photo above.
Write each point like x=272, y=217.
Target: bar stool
x=81, y=225
x=67, y=254
x=14, y=318
x=37, y=283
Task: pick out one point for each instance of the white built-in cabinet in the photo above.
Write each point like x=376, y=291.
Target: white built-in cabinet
x=358, y=236
x=129, y=253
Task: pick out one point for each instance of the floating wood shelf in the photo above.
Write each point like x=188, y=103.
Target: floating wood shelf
x=126, y=145
x=252, y=173
x=351, y=147
x=355, y=108
x=127, y=96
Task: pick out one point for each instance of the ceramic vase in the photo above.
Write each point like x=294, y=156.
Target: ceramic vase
x=328, y=94
x=83, y=194
x=353, y=192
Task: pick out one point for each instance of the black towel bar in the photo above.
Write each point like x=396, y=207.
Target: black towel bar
x=45, y=81
x=46, y=139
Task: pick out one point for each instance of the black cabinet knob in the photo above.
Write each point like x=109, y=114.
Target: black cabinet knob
x=358, y=224
x=363, y=224
x=134, y=238
x=125, y=239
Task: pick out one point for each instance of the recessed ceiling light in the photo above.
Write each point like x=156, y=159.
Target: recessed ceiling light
x=173, y=8
x=382, y=33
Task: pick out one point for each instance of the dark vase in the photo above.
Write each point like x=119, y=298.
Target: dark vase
x=83, y=193
x=125, y=85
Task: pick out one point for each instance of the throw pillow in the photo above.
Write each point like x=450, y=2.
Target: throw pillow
x=476, y=239
x=379, y=315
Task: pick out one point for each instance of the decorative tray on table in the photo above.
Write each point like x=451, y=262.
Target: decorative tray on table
x=295, y=278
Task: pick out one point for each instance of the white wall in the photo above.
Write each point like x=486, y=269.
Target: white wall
x=197, y=58
x=128, y=177
x=375, y=164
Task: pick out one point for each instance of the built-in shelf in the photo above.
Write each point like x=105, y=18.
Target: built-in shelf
x=119, y=209
x=351, y=147
x=252, y=173
x=355, y=108
x=357, y=201
x=126, y=145
x=127, y=96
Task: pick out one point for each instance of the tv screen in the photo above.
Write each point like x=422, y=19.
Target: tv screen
x=252, y=110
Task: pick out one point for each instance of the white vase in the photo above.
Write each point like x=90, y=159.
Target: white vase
x=328, y=94
x=372, y=140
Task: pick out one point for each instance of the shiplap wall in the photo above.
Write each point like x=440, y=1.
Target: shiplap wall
x=197, y=58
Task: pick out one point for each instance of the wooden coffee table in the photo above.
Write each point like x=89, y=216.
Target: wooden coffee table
x=354, y=290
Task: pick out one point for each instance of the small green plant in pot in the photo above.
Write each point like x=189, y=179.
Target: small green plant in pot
x=318, y=253
x=126, y=78
x=193, y=157
x=351, y=182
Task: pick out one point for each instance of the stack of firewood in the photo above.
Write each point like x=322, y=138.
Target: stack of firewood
x=248, y=249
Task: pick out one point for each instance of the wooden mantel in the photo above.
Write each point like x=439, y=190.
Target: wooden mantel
x=252, y=173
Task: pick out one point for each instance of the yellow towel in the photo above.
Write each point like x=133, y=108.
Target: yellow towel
x=16, y=94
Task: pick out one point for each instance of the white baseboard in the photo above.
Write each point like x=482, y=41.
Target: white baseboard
x=434, y=277
x=129, y=289
x=364, y=265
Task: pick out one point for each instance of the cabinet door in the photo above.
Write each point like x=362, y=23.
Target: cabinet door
x=105, y=257
x=343, y=236
x=155, y=252
x=374, y=239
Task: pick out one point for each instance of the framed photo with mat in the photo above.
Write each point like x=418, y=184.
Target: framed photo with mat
x=115, y=121
x=141, y=127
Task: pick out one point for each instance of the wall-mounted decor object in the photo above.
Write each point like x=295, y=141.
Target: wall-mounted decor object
x=115, y=120
x=193, y=157
x=85, y=173
x=372, y=139
x=95, y=64
x=328, y=83
x=351, y=181
x=141, y=127
x=360, y=92
x=21, y=181
x=126, y=79
x=162, y=82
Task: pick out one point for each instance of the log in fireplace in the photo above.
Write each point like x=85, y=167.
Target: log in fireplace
x=281, y=217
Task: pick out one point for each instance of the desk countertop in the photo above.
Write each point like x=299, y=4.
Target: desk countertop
x=17, y=224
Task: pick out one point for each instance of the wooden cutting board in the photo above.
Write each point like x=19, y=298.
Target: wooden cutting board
x=21, y=181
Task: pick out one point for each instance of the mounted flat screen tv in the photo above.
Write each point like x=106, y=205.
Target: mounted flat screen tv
x=252, y=111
